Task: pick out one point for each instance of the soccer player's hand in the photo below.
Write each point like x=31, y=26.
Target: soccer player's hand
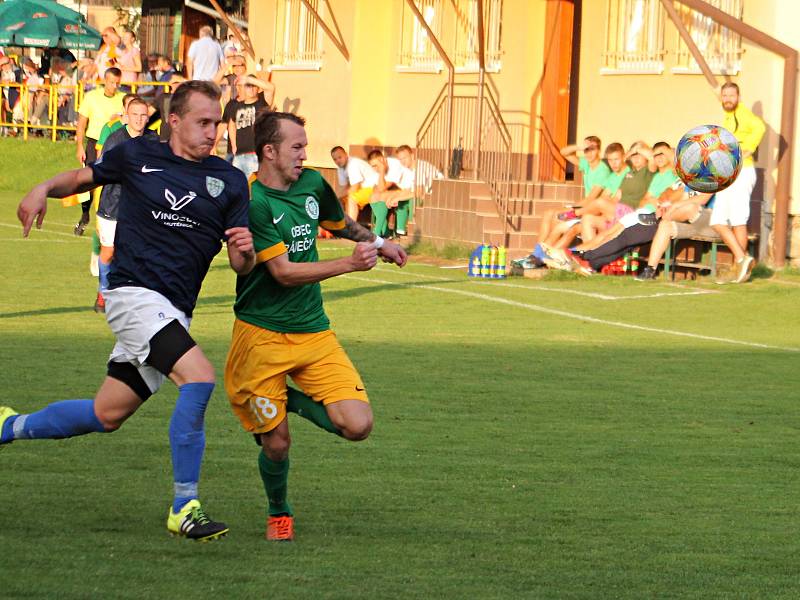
x=33, y=206
x=393, y=253
x=80, y=154
x=241, y=240
x=365, y=256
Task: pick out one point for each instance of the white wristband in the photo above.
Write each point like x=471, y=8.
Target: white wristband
x=378, y=242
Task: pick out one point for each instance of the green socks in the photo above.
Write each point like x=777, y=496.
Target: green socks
x=302, y=405
x=275, y=476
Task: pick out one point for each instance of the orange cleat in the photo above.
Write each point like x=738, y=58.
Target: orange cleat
x=280, y=529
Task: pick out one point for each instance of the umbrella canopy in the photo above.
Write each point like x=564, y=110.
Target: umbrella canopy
x=45, y=24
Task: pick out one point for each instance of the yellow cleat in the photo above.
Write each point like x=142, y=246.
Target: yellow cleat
x=193, y=523
x=5, y=413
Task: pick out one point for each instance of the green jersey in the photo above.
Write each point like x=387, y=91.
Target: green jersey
x=593, y=176
x=661, y=181
x=614, y=180
x=286, y=222
x=109, y=128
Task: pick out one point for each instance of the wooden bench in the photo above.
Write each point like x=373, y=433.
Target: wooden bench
x=706, y=261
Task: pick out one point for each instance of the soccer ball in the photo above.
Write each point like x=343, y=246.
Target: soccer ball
x=708, y=158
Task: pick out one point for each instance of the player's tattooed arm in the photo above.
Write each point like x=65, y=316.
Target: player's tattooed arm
x=354, y=231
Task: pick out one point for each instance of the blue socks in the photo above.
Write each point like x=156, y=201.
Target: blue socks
x=187, y=439
x=104, y=268
x=64, y=419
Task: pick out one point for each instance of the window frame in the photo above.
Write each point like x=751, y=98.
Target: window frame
x=286, y=51
x=646, y=60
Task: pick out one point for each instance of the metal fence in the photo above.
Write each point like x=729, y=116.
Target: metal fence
x=51, y=108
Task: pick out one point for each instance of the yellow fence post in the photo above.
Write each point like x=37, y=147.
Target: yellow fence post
x=24, y=100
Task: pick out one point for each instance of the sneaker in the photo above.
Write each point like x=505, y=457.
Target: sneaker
x=744, y=268
x=647, y=274
x=579, y=265
x=5, y=413
x=558, y=263
x=280, y=529
x=100, y=304
x=80, y=226
x=530, y=262
x=567, y=215
x=193, y=523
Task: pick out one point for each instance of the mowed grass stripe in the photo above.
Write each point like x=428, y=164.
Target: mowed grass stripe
x=580, y=317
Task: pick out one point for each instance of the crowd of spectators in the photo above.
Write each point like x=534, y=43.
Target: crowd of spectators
x=388, y=185
x=635, y=200
x=206, y=59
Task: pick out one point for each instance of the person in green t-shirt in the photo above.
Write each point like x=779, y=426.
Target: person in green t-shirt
x=281, y=328
x=117, y=121
x=626, y=185
x=664, y=158
x=599, y=213
x=586, y=157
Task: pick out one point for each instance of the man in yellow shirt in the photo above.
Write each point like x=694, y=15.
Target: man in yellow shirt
x=732, y=205
x=96, y=109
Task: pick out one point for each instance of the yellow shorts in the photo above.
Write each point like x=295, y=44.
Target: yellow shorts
x=260, y=360
x=362, y=196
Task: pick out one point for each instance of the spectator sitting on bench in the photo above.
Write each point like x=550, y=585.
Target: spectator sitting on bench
x=395, y=185
x=632, y=231
x=663, y=157
x=599, y=214
x=594, y=172
x=692, y=214
x=358, y=177
x=684, y=215
x=594, y=216
x=422, y=174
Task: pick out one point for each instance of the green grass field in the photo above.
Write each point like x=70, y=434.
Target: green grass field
x=555, y=439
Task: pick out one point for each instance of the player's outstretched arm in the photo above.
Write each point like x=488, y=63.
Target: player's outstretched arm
x=389, y=251
x=291, y=274
x=34, y=205
x=241, y=254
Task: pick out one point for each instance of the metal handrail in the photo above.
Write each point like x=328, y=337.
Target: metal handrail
x=479, y=131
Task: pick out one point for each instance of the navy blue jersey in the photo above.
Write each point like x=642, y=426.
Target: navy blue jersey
x=172, y=216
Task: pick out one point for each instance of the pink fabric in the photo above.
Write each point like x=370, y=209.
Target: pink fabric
x=620, y=211
x=127, y=58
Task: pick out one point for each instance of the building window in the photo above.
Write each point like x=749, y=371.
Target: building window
x=721, y=47
x=634, y=37
x=466, y=55
x=157, y=31
x=298, y=36
x=417, y=52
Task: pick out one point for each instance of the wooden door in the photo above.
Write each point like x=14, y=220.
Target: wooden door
x=556, y=123
x=193, y=20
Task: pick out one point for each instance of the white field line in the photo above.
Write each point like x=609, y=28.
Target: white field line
x=784, y=282
x=578, y=317
x=40, y=241
x=595, y=295
x=35, y=231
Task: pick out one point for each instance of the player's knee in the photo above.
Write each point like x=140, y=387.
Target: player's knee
x=276, y=446
x=110, y=419
x=357, y=428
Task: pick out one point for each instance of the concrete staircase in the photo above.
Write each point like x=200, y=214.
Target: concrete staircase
x=464, y=212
